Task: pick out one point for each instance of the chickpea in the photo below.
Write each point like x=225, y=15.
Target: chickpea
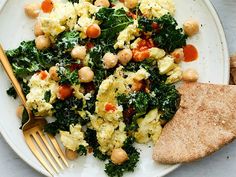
x=53, y=73
x=42, y=42
x=79, y=52
x=130, y=4
x=190, y=75
x=32, y=10
x=38, y=29
x=178, y=55
x=110, y=60
x=19, y=111
x=125, y=56
x=71, y=155
x=93, y=31
x=86, y=74
x=102, y=3
x=119, y=156
x=191, y=27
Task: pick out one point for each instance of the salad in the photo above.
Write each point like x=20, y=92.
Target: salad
x=104, y=73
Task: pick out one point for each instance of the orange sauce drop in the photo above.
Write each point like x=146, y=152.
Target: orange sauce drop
x=110, y=107
x=47, y=6
x=43, y=75
x=190, y=53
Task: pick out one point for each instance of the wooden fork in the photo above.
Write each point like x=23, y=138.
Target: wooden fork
x=43, y=147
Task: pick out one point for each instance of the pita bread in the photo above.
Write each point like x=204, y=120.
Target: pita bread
x=205, y=121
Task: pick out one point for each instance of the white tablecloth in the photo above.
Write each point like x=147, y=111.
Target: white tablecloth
x=220, y=164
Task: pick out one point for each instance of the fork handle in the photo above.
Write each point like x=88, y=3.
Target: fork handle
x=8, y=69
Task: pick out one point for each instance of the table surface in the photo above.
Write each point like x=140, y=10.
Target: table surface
x=220, y=164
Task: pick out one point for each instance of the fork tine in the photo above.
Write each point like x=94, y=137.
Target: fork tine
x=50, y=149
x=58, y=149
x=39, y=143
x=37, y=154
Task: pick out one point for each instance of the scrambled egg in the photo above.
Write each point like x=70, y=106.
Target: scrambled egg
x=114, y=85
x=167, y=66
x=35, y=99
x=110, y=135
x=156, y=8
x=61, y=18
x=85, y=10
x=127, y=35
x=149, y=128
x=73, y=139
x=156, y=53
x=175, y=75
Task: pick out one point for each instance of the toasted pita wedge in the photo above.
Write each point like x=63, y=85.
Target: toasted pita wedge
x=205, y=122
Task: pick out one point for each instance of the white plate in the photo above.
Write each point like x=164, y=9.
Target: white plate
x=213, y=66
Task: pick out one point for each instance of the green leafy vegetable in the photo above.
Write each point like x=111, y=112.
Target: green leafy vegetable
x=67, y=40
x=68, y=77
x=91, y=139
x=25, y=118
x=12, y=92
x=113, y=170
x=47, y=96
x=168, y=100
x=82, y=150
x=66, y=113
x=113, y=22
x=168, y=36
x=24, y=85
x=98, y=154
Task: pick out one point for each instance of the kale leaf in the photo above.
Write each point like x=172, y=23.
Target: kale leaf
x=12, y=92
x=25, y=118
x=91, y=139
x=168, y=100
x=47, y=96
x=113, y=22
x=82, y=150
x=68, y=77
x=66, y=113
x=67, y=40
x=114, y=170
x=168, y=36
x=74, y=1
x=96, y=64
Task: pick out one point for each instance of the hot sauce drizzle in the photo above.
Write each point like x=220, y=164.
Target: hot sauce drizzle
x=190, y=53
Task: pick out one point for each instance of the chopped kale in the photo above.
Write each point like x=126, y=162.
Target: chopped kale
x=114, y=170
x=67, y=40
x=12, y=92
x=25, y=88
x=82, y=150
x=68, y=77
x=47, y=96
x=168, y=100
x=113, y=22
x=90, y=104
x=66, y=113
x=168, y=36
x=95, y=62
x=98, y=154
x=91, y=139
x=25, y=118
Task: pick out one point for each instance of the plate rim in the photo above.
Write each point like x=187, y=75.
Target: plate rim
x=224, y=47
